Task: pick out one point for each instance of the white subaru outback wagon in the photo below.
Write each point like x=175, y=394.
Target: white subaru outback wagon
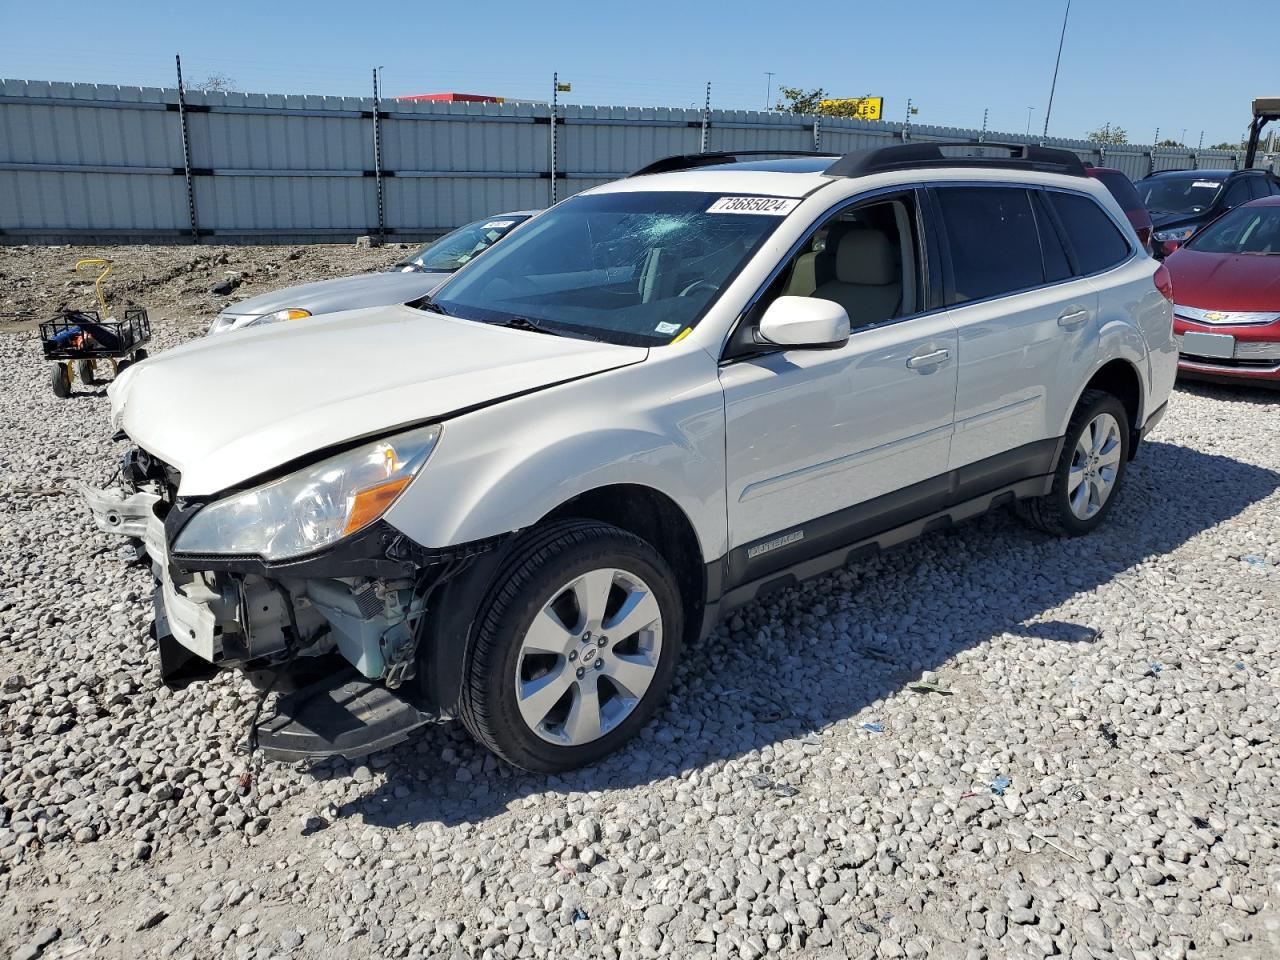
x=512, y=502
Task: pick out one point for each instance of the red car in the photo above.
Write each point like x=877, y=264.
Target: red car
x=1226, y=289
x=1126, y=194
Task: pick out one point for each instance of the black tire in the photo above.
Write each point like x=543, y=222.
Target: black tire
x=84, y=370
x=547, y=558
x=61, y=380
x=1052, y=513
x=122, y=365
x=139, y=354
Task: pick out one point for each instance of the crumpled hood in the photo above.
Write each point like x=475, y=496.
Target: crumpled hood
x=225, y=409
x=343, y=293
x=1225, y=281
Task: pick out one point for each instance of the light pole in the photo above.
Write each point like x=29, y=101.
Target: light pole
x=1029, y=109
x=768, y=89
x=1056, y=63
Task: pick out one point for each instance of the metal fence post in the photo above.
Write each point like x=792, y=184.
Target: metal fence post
x=555, y=102
x=186, y=153
x=706, y=120
x=817, y=134
x=377, y=157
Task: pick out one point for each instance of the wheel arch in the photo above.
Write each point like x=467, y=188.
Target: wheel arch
x=655, y=517
x=1120, y=378
x=639, y=509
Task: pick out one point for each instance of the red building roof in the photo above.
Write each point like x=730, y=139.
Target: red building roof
x=454, y=98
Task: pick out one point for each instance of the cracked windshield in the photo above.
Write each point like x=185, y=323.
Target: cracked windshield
x=632, y=268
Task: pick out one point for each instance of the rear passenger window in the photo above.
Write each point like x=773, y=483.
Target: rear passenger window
x=1259, y=187
x=1095, y=239
x=991, y=234
x=1056, y=266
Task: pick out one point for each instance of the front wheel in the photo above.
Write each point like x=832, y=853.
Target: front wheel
x=84, y=370
x=574, y=648
x=1087, y=480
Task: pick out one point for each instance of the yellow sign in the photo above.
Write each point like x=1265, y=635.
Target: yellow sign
x=860, y=108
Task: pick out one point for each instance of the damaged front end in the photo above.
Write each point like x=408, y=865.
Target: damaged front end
x=336, y=631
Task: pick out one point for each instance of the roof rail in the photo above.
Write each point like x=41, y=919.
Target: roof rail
x=689, y=161
x=907, y=156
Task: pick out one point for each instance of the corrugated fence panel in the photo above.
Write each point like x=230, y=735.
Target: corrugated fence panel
x=84, y=161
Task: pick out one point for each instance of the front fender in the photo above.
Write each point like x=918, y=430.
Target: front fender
x=658, y=424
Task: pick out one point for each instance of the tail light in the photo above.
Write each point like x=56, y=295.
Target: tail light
x=1164, y=282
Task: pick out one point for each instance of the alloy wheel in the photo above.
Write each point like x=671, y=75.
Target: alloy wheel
x=588, y=657
x=1095, y=464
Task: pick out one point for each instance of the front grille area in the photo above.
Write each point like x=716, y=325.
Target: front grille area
x=1248, y=353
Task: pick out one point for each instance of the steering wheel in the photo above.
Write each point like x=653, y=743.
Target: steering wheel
x=693, y=287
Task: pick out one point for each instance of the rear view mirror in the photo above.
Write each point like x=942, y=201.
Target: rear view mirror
x=804, y=322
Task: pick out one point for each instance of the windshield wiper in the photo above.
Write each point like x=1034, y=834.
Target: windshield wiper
x=524, y=323
x=426, y=303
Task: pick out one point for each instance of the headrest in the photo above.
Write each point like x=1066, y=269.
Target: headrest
x=865, y=256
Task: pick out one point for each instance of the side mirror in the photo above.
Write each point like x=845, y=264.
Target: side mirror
x=804, y=322
x=1170, y=246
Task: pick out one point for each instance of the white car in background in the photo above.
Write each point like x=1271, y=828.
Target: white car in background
x=666, y=396
x=413, y=277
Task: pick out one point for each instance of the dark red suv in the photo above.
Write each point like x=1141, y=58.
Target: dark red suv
x=1121, y=187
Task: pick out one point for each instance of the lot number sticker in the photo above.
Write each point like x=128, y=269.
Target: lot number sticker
x=757, y=206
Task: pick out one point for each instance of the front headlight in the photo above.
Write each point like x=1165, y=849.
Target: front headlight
x=1174, y=233
x=313, y=507
x=292, y=313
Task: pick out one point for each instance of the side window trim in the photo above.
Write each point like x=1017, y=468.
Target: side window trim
x=1042, y=205
x=927, y=275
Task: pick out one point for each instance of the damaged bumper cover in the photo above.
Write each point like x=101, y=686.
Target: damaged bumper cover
x=363, y=599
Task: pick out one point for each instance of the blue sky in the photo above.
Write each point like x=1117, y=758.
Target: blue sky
x=1171, y=64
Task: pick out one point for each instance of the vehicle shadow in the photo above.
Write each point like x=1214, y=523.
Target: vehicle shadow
x=766, y=674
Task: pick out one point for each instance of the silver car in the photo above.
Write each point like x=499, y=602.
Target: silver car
x=411, y=278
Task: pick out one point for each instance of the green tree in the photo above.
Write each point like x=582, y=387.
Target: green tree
x=1172, y=143
x=1110, y=134
x=798, y=100
x=1225, y=146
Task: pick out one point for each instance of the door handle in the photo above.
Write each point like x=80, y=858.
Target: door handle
x=1072, y=319
x=925, y=360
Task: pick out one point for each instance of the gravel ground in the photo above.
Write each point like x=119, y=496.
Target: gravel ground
x=989, y=743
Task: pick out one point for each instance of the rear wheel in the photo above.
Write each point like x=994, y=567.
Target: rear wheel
x=1086, y=483
x=139, y=354
x=84, y=370
x=574, y=648
x=61, y=380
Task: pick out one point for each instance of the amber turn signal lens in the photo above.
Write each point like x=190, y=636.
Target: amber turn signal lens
x=372, y=502
x=296, y=314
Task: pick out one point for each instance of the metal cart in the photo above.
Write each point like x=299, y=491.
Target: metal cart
x=78, y=339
